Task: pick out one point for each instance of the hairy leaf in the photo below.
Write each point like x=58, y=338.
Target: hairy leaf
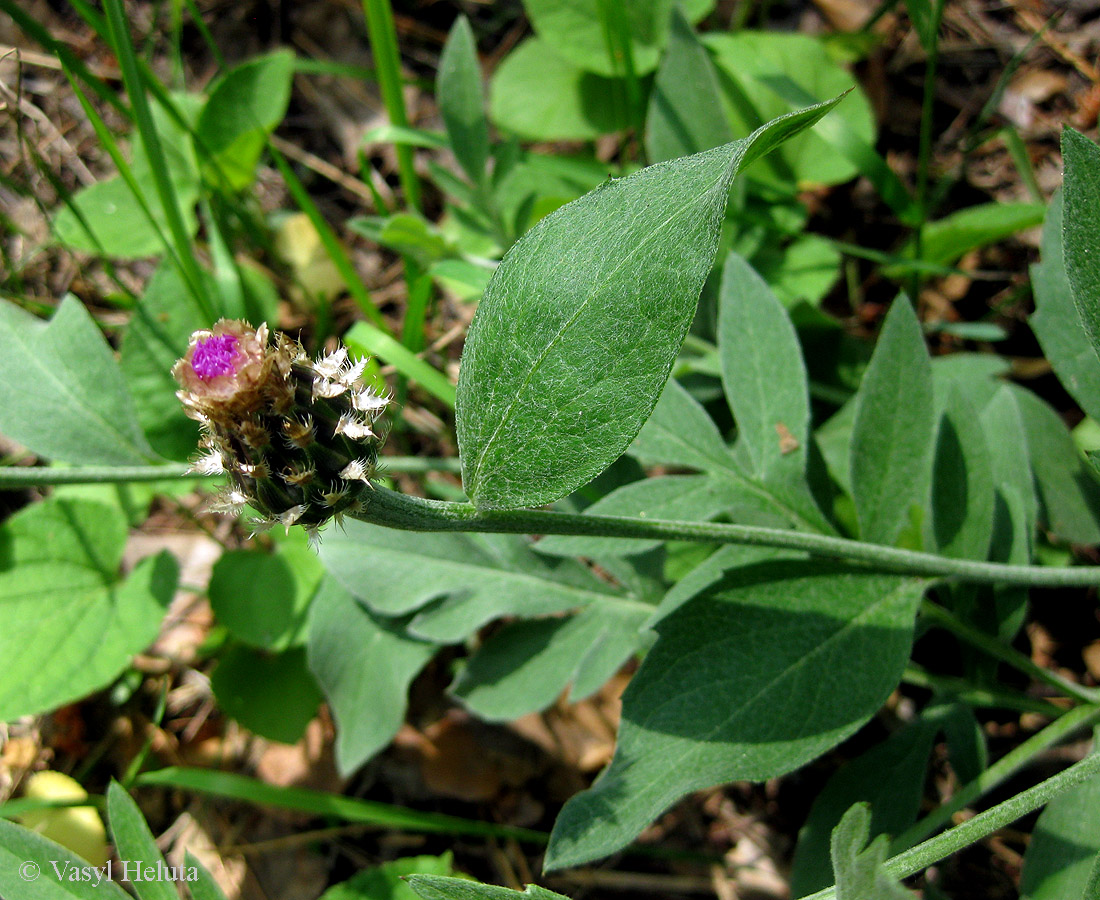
x=764, y=671
x=582, y=320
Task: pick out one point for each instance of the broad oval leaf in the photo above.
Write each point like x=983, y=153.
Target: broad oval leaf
x=1082, y=211
x=769, y=668
x=70, y=624
x=583, y=318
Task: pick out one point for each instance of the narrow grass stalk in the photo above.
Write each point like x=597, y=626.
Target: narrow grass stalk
x=366, y=340
x=321, y=803
x=419, y=287
x=416, y=514
x=387, y=64
x=982, y=825
x=42, y=37
x=1002, y=769
x=329, y=240
x=143, y=119
x=924, y=152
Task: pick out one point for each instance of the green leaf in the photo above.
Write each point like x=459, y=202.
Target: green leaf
x=680, y=433
x=71, y=624
x=157, y=335
x=1056, y=322
x=894, y=427
x=947, y=239
x=1016, y=509
x=458, y=92
x=685, y=107
x=23, y=853
x=262, y=598
x=889, y=777
x=1081, y=197
x=693, y=498
x=525, y=666
x=860, y=873
x=437, y=887
x=326, y=805
x=539, y=95
x=756, y=73
x=480, y=576
x=134, y=843
x=560, y=373
x=244, y=106
x=763, y=374
x=119, y=225
x=389, y=880
x=362, y=662
x=733, y=690
x=204, y=887
x=962, y=482
x=1064, y=845
x=270, y=694
x=61, y=393
x=578, y=28
x=802, y=272
x=1068, y=488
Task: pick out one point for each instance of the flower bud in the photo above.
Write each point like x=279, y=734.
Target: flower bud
x=297, y=438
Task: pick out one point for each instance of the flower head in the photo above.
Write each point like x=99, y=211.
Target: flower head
x=298, y=439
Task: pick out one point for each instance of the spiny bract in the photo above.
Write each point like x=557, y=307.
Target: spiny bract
x=297, y=438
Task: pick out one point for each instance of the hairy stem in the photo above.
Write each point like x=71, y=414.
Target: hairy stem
x=14, y=477
x=973, y=830
x=1007, y=765
x=395, y=510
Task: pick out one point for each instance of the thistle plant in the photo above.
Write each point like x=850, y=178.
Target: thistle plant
x=297, y=437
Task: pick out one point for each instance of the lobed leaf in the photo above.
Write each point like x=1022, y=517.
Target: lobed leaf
x=362, y=661
x=473, y=578
x=61, y=393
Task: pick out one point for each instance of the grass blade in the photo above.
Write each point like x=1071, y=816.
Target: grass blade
x=320, y=803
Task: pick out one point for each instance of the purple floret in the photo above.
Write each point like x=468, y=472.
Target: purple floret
x=214, y=356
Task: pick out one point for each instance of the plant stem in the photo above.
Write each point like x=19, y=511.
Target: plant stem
x=14, y=477
x=1006, y=654
x=963, y=691
x=387, y=65
x=924, y=152
x=1007, y=765
x=930, y=852
x=395, y=510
